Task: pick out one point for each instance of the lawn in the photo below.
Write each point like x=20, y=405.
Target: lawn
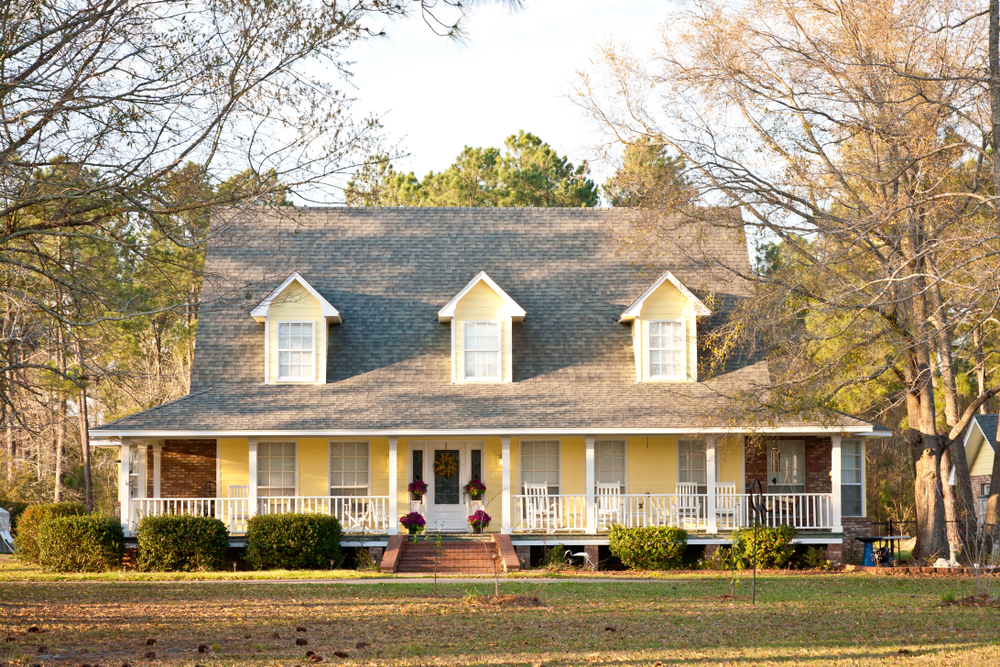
x=844, y=619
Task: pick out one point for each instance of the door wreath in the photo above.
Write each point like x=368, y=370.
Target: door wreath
x=445, y=465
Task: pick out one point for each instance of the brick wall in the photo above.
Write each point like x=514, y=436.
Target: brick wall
x=855, y=526
x=185, y=466
x=977, y=489
x=818, y=452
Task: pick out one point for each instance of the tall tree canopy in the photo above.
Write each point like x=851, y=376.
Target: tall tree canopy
x=856, y=136
x=528, y=173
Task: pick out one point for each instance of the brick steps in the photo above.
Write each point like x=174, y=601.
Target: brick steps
x=454, y=557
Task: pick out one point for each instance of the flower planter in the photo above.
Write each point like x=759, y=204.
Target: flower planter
x=478, y=530
x=413, y=530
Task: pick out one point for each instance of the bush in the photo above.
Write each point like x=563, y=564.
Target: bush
x=649, y=548
x=182, y=543
x=81, y=544
x=774, y=547
x=812, y=558
x=293, y=542
x=16, y=508
x=26, y=538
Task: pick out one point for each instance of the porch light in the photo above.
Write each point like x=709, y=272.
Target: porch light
x=499, y=460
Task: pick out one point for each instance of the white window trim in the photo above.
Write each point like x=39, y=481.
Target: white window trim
x=704, y=438
x=329, y=455
x=277, y=353
x=293, y=440
x=864, y=477
x=649, y=353
x=465, y=337
x=625, y=472
x=520, y=462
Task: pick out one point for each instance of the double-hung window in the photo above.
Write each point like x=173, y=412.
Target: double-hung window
x=481, y=344
x=666, y=350
x=851, y=475
x=786, y=467
x=540, y=464
x=610, y=463
x=276, y=469
x=296, y=351
x=349, y=468
x=692, y=463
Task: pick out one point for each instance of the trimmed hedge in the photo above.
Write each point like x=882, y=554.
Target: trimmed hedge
x=81, y=544
x=182, y=543
x=293, y=542
x=774, y=547
x=26, y=540
x=649, y=548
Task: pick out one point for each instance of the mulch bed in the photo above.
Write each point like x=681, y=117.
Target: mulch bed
x=503, y=601
x=973, y=601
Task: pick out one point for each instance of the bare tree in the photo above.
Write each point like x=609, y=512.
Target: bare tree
x=853, y=137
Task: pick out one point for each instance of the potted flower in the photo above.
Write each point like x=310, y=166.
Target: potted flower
x=479, y=520
x=417, y=489
x=475, y=489
x=414, y=522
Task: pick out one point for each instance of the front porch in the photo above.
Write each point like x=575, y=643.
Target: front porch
x=536, y=487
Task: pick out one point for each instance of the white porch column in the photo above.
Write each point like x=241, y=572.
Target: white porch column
x=157, y=453
x=252, y=474
x=123, y=475
x=393, y=487
x=142, y=465
x=710, y=476
x=590, y=479
x=835, y=472
x=505, y=518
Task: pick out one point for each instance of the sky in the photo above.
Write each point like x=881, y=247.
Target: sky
x=512, y=73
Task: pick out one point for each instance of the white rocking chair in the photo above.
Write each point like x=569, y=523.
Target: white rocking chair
x=609, y=504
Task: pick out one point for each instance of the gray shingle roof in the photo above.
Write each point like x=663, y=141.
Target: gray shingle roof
x=988, y=423
x=388, y=271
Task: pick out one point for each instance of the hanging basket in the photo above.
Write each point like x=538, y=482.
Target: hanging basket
x=445, y=466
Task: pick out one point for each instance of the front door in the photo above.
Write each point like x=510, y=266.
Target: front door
x=446, y=493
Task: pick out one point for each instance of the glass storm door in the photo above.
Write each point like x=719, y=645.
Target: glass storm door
x=449, y=510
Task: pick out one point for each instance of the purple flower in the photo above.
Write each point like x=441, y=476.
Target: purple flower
x=413, y=520
x=475, y=488
x=418, y=487
x=479, y=519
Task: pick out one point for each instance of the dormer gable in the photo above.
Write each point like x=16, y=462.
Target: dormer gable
x=296, y=321
x=481, y=317
x=665, y=331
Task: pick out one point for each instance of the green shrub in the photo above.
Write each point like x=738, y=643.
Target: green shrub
x=81, y=544
x=812, y=558
x=774, y=547
x=293, y=542
x=26, y=538
x=182, y=543
x=16, y=508
x=648, y=548
x=554, y=558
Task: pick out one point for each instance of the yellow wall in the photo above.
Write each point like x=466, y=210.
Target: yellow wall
x=652, y=464
x=234, y=464
x=298, y=305
x=573, y=464
x=729, y=454
x=666, y=303
x=482, y=304
x=314, y=464
x=983, y=465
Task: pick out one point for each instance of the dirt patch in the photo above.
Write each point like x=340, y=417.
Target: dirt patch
x=503, y=601
x=973, y=601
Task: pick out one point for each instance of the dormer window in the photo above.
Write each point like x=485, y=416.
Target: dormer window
x=481, y=317
x=296, y=321
x=666, y=350
x=482, y=351
x=664, y=323
x=296, y=347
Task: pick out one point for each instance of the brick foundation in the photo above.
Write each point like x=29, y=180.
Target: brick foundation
x=834, y=554
x=592, y=555
x=523, y=556
x=854, y=527
x=185, y=467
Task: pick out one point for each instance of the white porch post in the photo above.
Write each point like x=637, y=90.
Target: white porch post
x=123, y=474
x=710, y=468
x=505, y=522
x=590, y=479
x=252, y=474
x=835, y=472
x=157, y=453
x=142, y=465
x=393, y=487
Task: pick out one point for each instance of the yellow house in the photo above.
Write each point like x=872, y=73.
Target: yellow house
x=347, y=356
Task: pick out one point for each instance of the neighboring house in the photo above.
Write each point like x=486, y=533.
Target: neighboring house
x=343, y=353
x=980, y=442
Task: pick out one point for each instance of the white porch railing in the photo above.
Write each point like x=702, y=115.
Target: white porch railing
x=234, y=512
x=802, y=511
x=355, y=513
x=548, y=514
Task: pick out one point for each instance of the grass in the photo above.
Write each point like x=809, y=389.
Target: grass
x=819, y=619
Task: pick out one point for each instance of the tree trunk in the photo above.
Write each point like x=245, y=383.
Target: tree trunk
x=951, y=499
x=980, y=361
x=88, y=495
x=60, y=416
x=994, y=60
